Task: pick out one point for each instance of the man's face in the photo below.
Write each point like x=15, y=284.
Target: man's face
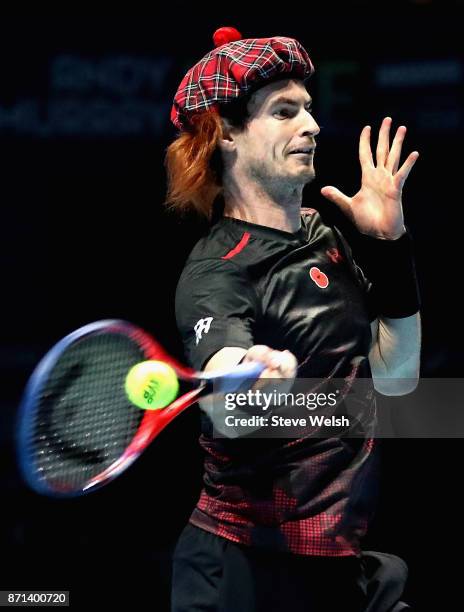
x=277, y=145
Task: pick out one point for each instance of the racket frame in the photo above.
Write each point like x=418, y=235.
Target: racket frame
x=153, y=421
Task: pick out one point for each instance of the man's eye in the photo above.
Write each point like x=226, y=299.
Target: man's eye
x=284, y=112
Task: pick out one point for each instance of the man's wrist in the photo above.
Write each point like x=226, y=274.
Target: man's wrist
x=388, y=238
x=394, y=283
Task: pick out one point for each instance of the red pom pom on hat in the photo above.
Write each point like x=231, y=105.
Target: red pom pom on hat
x=225, y=35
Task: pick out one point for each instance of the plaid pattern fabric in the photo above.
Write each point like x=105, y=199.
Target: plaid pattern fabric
x=234, y=69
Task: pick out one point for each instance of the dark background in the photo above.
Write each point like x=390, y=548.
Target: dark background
x=84, y=123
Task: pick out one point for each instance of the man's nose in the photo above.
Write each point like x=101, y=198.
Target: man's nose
x=309, y=125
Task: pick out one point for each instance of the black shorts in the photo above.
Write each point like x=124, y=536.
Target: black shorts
x=212, y=574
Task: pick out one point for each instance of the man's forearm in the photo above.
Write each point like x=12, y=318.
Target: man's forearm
x=395, y=354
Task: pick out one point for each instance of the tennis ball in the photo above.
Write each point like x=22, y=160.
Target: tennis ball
x=151, y=385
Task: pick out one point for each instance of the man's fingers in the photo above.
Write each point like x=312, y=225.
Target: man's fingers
x=258, y=352
x=285, y=363
x=394, y=156
x=279, y=364
x=383, y=143
x=365, y=151
x=340, y=199
x=403, y=172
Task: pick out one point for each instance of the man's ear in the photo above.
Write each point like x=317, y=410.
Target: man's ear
x=227, y=142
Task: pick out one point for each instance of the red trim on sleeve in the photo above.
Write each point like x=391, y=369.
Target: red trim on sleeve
x=240, y=246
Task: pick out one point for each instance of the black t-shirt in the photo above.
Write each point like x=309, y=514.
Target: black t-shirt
x=247, y=284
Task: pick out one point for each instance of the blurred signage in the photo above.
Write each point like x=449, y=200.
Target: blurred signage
x=130, y=96
x=119, y=95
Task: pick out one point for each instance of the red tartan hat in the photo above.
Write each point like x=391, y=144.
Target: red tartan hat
x=234, y=68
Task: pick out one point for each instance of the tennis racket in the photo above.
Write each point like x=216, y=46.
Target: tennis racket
x=77, y=428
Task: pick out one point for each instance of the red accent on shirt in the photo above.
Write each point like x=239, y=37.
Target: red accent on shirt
x=334, y=255
x=240, y=246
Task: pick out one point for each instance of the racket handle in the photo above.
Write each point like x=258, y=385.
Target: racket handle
x=233, y=380
x=249, y=369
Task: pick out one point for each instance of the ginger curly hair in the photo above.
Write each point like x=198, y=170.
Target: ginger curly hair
x=193, y=160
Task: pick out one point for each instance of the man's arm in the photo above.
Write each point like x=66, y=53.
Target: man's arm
x=280, y=365
x=376, y=211
x=226, y=358
x=395, y=354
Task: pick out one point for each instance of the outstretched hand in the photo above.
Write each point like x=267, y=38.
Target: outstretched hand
x=376, y=210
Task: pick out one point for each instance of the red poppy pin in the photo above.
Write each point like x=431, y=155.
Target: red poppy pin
x=319, y=278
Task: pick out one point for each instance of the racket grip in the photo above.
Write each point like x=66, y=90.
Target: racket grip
x=239, y=378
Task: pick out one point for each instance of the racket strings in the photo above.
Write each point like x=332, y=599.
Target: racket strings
x=85, y=421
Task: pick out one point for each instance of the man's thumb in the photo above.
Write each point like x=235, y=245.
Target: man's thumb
x=337, y=197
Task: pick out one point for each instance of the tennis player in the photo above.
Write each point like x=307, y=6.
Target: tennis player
x=279, y=521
